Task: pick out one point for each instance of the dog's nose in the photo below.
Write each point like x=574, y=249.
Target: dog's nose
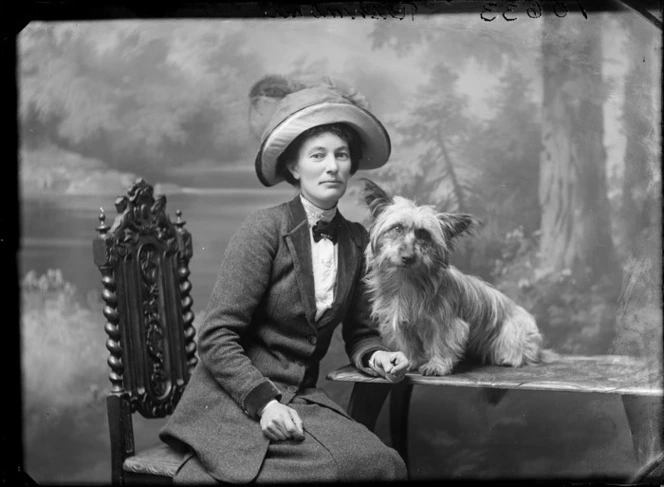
x=407, y=259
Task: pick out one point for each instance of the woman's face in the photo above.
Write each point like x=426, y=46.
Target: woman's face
x=323, y=169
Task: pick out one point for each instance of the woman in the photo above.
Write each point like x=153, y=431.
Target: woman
x=290, y=275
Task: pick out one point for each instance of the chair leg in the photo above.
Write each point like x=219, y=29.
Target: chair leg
x=121, y=433
x=399, y=407
x=365, y=402
x=644, y=416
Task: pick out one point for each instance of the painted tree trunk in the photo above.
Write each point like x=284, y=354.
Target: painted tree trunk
x=573, y=189
x=639, y=203
x=639, y=317
x=457, y=190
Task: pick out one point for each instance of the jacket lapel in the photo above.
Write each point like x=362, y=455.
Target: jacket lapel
x=299, y=245
x=349, y=253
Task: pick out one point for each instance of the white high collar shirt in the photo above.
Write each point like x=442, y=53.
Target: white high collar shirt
x=323, y=256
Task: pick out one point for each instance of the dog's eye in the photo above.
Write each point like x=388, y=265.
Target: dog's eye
x=397, y=228
x=422, y=234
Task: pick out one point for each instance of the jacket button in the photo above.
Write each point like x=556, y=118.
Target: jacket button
x=312, y=339
x=291, y=388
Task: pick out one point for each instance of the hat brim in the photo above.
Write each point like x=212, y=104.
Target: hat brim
x=375, y=140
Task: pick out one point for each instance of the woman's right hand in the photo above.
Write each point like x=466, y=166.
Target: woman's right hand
x=280, y=422
x=391, y=365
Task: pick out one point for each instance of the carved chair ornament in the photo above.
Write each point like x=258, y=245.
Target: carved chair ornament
x=144, y=262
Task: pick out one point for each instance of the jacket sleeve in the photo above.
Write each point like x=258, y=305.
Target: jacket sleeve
x=360, y=333
x=242, y=281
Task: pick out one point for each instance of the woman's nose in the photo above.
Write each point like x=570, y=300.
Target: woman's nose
x=332, y=165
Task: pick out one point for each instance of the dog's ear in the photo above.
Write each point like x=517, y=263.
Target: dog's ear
x=375, y=197
x=456, y=224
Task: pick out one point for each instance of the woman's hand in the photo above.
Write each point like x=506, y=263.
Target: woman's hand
x=280, y=422
x=391, y=365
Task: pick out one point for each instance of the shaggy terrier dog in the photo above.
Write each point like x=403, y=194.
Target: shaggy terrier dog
x=428, y=309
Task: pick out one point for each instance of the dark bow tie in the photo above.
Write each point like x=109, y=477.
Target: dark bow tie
x=323, y=229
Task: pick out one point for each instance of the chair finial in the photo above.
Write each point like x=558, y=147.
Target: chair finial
x=179, y=222
x=102, y=228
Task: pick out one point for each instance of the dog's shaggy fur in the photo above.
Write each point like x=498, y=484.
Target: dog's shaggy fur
x=428, y=309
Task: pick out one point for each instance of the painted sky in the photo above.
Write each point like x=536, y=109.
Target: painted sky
x=339, y=48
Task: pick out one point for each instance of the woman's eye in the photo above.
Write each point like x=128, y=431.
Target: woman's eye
x=343, y=155
x=422, y=234
x=318, y=156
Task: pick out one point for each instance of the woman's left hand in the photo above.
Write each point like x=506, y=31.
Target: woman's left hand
x=391, y=365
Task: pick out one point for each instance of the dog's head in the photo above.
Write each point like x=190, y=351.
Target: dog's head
x=409, y=237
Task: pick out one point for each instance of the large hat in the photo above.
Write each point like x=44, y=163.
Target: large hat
x=319, y=105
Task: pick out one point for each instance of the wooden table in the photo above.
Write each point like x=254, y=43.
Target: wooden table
x=638, y=384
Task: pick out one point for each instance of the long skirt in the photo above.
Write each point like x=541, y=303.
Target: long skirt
x=334, y=449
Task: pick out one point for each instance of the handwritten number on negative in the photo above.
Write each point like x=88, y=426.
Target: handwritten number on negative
x=583, y=10
x=509, y=9
x=487, y=9
x=534, y=12
x=557, y=9
x=491, y=10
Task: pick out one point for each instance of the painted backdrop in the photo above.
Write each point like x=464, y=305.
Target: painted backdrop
x=546, y=128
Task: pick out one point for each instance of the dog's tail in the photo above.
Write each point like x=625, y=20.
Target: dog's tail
x=548, y=356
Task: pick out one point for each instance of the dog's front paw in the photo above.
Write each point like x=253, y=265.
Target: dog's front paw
x=435, y=368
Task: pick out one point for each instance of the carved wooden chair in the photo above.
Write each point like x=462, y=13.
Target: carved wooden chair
x=144, y=262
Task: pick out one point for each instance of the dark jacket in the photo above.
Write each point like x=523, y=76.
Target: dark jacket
x=259, y=340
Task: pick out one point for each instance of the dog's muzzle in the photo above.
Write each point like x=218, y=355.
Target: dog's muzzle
x=407, y=259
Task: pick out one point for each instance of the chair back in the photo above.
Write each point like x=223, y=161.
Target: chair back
x=144, y=262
